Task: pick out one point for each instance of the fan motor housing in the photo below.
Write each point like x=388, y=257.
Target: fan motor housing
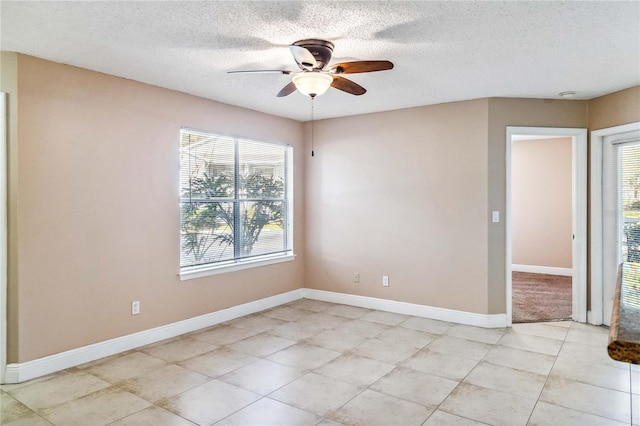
x=320, y=49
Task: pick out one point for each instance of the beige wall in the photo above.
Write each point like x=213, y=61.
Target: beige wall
x=610, y=110
x=97, y=200
x=615, y=109
x=505, y=112
x=350, y=200
x=9, y=85
x=402, y=194
x=541, y=192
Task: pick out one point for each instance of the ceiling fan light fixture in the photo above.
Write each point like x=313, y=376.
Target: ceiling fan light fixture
x=312, y=83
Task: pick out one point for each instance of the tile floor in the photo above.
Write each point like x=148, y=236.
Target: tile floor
x=317, y=363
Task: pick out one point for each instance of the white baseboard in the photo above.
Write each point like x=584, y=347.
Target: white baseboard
x=441, y=314
x=549, y=270
x=17, y=373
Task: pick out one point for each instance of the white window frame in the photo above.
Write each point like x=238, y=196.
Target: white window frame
x=238, y=264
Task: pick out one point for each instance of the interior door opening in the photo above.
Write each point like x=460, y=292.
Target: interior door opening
x=546, y=224
x=541, y=212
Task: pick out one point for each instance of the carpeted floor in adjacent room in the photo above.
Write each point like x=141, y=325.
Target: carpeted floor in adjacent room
x=541, y=297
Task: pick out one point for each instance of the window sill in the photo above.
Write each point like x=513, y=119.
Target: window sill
x=207, y=270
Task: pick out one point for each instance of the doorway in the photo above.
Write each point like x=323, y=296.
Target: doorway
x=541, y=214
x=571, y=270
x=615, y=212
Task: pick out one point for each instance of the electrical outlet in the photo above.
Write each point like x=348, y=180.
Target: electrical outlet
x=135, y=307
x=356, y=277
x=385, y=280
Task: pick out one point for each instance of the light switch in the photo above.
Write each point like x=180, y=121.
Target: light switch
x=495, y=216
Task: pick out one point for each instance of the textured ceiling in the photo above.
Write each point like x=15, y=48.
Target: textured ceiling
x=442, y=51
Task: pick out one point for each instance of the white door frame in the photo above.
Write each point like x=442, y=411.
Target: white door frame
x=579, y=214
x=3, y=235
x=596, y=260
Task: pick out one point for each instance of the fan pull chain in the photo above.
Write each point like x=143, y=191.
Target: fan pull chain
x=312, y=98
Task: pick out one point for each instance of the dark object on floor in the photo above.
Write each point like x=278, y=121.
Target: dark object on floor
x=540, y=297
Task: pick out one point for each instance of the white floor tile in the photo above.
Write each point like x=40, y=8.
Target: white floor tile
x=373, y=408
x=488, y=406
x=533, y=362
x=313, y=362
x=505, y=379
x=415, y=386
x=316, y=393
x=551, y=415
x=590, y=399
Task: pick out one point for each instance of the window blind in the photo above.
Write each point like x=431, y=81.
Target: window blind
x=234, y=199
x=629, y=195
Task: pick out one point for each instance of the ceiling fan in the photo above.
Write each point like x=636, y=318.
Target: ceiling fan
x=316, y=76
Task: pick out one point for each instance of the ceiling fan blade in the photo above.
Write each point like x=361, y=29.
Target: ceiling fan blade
x=287, y=90
x=361, y=66
x=260, y=72
x=303, y=57
x=348, y=86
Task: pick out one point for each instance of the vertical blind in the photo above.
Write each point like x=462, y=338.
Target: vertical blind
x=629, y=196
x=234, y=199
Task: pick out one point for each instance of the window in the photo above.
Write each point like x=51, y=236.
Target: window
x=235, y=203
x=629, y=190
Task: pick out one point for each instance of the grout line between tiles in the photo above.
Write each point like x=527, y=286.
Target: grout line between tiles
x=546, y=380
